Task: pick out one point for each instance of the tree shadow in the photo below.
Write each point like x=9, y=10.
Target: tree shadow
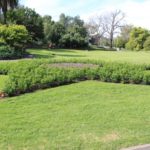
x=68, y=55
x=43, y=56
x=62, y=50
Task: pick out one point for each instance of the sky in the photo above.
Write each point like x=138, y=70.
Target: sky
x=137, y=11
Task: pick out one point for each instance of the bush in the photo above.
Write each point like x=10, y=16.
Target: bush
x=14, y=38
x=2, y=42
x=147, y=44
x=27, y=76
x=14, y=35
x=121, y=73
x=146, y=78
x=6, y=52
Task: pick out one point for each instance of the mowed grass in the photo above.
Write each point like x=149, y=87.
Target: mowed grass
x=3, y=79
x=109, y=56
x=88, y=115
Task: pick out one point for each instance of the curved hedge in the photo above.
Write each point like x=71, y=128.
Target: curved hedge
x=27, y=76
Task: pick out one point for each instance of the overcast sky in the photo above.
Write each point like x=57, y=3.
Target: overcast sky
x=137, y=11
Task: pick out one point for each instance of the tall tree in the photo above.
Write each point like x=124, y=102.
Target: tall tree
x=113, y=21
x=122, y=39
x=5, y=5
x=30, y=19
x=65, y=20
x=96, y=29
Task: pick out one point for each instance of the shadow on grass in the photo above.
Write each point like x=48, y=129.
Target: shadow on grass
x=62, y=50
x=43, y=56
x=68, y=55
x=53, y=55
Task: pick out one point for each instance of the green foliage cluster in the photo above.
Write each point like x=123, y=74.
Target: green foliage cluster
x=6, y=66
x=138, y=37
x=30, y=19
x=147, y=44
x=29, y=76
x=12, y=41
x=124, y=36
x=68, y=32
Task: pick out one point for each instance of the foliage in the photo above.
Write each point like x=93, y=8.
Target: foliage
x=30, y=19
x=48, y=28
x=137, y=38
x=124, y=36
x=6, y=52
x=15, y=36
x=29, y=76
x=75, y=37
x=147, y=44
x=68, y=32
x=3, y=79
x=120, y=42
x=5, y=5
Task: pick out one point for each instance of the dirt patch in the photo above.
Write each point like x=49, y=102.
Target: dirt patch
x=140, y=147
x=90, y=137
x=94, y=138
x=110, y=137
x=73, y=65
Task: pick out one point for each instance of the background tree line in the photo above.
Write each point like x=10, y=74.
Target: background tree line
x=107, y=30
x=111, y=30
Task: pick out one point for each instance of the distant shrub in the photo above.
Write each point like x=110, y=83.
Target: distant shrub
x=121, y=73
x=147, y=44
x=146, y=78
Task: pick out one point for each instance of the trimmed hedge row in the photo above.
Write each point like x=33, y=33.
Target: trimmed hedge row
x=28, y=76
x=5, y=67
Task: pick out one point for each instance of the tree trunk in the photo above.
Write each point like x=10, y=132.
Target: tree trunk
x=111, y=40
x=5, y=18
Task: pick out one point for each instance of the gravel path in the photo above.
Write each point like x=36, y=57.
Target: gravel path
x=140, y=147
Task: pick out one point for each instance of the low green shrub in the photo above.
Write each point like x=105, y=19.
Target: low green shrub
x=146, y=78
x=121, y=73
x=27, y=76
x=6, y=52
x=5, y=67
x=31, y=76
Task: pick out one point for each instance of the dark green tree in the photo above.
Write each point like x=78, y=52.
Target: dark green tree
x=30, y=19
x=5, y=5
x=75, y=33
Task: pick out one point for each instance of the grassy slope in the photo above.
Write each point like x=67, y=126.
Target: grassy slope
x=124, y=56
x=3, y=79
x=88, y=115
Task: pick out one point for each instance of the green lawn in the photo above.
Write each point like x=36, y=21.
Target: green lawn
x=3, y=79
x=122, y=56
x=84, y=116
